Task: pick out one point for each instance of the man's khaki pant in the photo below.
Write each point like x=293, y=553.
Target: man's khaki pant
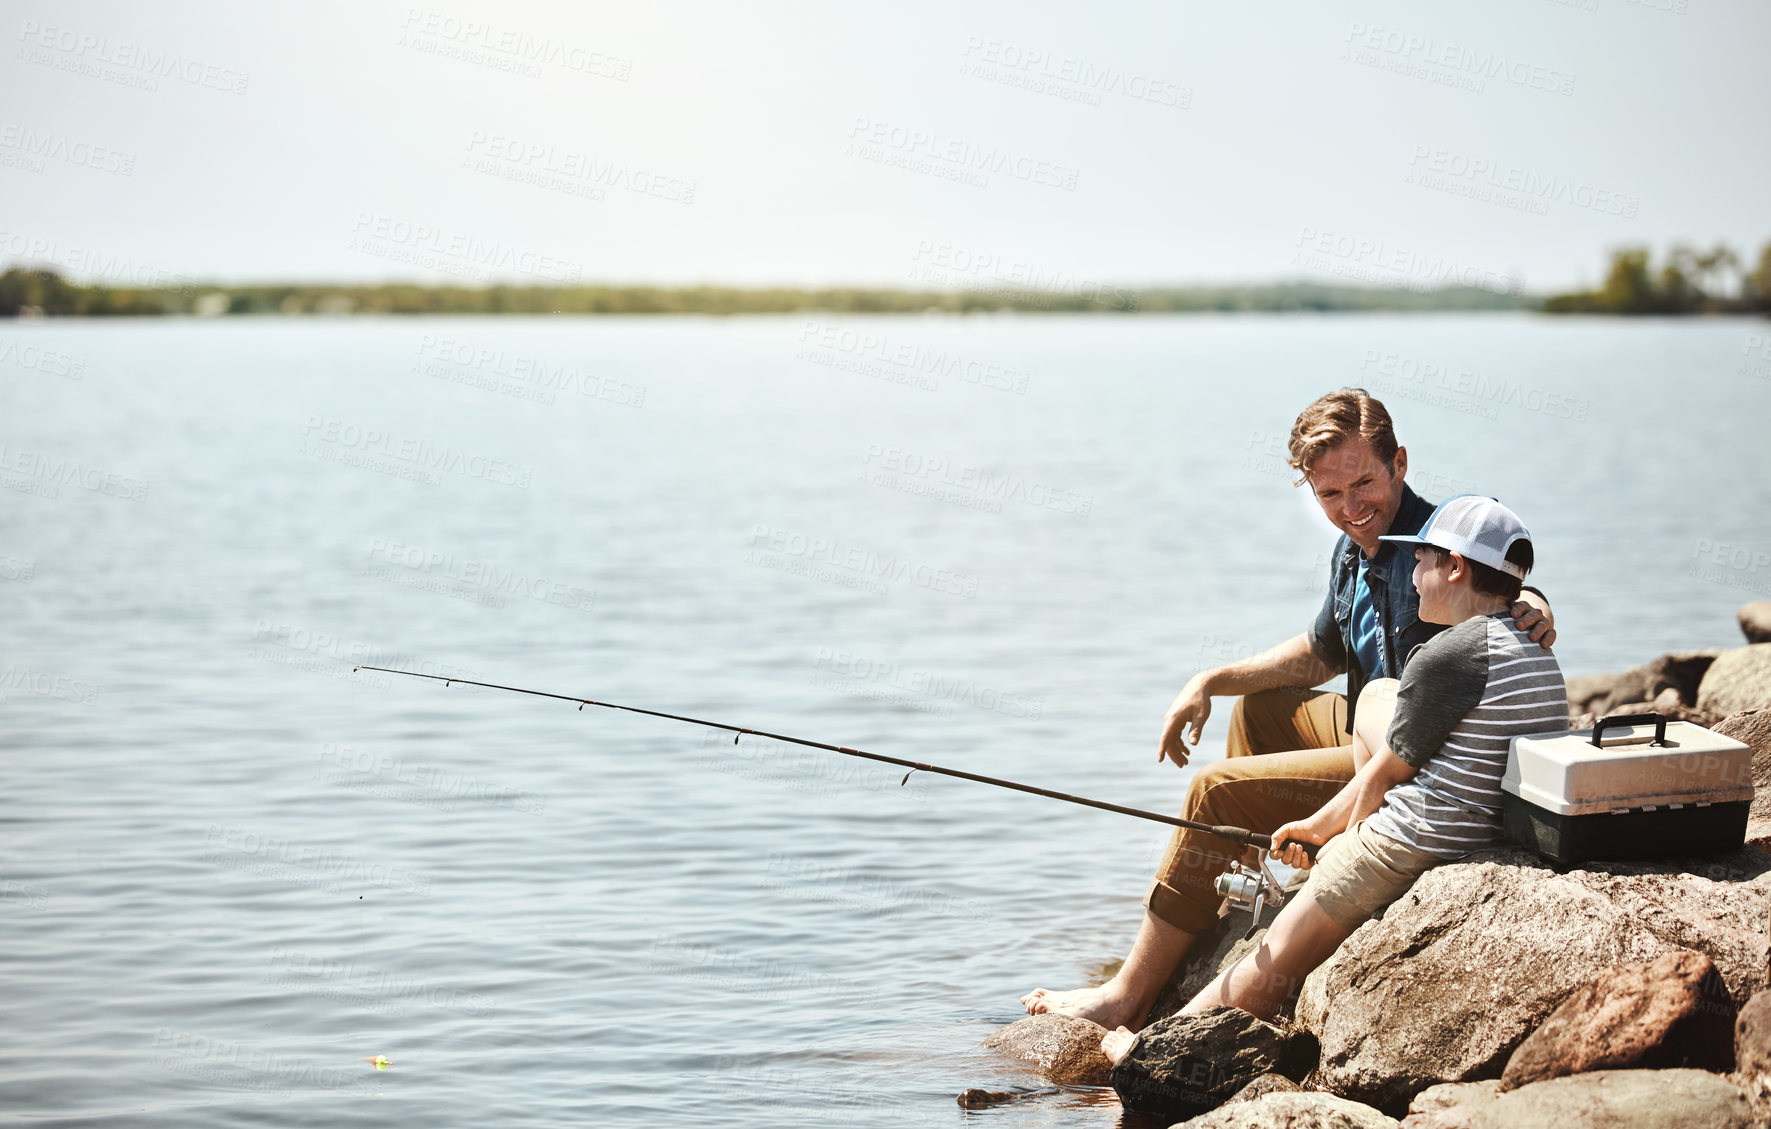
x=1285, y=760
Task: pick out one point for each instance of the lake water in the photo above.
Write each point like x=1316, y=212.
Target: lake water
x=231, y=869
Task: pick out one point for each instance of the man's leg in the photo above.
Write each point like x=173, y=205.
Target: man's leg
x=1257, y=792
x=1126, y=998
x=1286, y=719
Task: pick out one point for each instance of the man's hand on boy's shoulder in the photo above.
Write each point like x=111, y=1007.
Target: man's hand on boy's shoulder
x=1531, y=612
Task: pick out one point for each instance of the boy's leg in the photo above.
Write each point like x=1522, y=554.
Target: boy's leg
x=1300, y=938
x=1257, y=792
x=1358, y=874
x=1289, y=760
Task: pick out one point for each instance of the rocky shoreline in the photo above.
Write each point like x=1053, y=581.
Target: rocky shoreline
x=1502, y=990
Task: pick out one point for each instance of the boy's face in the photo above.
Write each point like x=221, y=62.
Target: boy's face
x=1433, y=581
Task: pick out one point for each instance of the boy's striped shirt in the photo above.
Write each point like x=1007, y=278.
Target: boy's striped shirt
x=1465, y=694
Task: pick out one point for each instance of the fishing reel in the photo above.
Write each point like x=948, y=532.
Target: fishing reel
x=1251, y=886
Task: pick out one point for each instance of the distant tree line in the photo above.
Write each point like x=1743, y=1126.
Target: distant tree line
x=1688, y=281
x=42, y=291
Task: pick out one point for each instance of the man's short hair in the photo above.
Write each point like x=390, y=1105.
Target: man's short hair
x=1333, y=419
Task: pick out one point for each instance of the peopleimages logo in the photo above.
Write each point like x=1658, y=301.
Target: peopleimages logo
x=869, y=568
x=373, y=231
x=21, y=679
x=319, y=866
x=1377, y=260
x=40, y=145
x=917, y=148
x=1447, y=385
x=52, y=362
x=429, y=785
x=571, y=166
x=956, y=265
x=945, y=688
x=53, y=471
x=493, y=579
x=97, y=56
x=1525, y=185
x=418, y=454
x=505, y=48
x=1066, y=77
x=914, y=472
x=1422, y=56
x=903, y=361
x=484, y=366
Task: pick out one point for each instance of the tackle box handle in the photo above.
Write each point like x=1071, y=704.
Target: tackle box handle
x=1622, y=719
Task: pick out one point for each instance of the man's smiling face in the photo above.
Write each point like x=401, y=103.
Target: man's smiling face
x=1358, y=491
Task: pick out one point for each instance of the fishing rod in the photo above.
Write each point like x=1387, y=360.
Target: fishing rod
x=1246, y=885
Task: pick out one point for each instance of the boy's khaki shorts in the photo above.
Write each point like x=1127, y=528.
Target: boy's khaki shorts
x=1363, y=872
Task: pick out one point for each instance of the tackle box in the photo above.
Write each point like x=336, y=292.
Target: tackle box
x=1631, y=787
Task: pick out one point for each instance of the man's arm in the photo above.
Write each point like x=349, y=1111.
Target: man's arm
x=1292, y=663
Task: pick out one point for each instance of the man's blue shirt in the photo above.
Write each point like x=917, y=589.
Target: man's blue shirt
x=1365, y=629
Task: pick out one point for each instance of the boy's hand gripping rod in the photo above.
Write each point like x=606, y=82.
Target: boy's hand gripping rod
x=1239, y=891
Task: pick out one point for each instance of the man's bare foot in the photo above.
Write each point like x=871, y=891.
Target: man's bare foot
x=1116, y=1044
x=1101, y=1005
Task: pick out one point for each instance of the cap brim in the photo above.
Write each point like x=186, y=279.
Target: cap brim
x=1411, y=538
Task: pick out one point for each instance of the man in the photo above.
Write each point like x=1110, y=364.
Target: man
x=1288, y=749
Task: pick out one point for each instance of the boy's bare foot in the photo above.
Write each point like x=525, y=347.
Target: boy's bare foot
x=1116, y=1044
x=1102, y=1005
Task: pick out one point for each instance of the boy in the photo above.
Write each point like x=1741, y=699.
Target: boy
x=1429, y=751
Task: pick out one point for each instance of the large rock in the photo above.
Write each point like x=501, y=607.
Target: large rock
x=1673, y=1011
x=1621, y=1099
x=1755, y=621
x=1303, y=1110
x=1596, y=693
x=1478, y=953
x=1679, y=671
x=1184, y=1065
x=1752, y=1036
x=1752, y=1053
x=1062, y=1048
x=1682, y=671
x=1449, y=1105
x=1263, y=1085
x=1668, y=704
x=1753, y=728
x=1738, y=680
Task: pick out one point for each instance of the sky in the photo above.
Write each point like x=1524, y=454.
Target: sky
x=1506, y=144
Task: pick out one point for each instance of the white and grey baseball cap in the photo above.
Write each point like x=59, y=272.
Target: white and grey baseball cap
x=1480, y=529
